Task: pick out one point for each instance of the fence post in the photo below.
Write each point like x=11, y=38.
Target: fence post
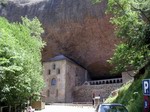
x=9, y=108
x=15, y=107
x=1, y=108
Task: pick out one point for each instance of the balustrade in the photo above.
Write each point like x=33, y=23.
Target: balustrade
x=107, y=81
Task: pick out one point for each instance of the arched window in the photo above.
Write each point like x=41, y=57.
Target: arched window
x=58, y=71
x=53, y=82
x=49, y=72
x=54, y=66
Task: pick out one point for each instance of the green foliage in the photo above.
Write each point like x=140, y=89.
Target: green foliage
x=20, y=60
x=96, y=1
x=132, y=21
x=131, y=95
x=3, y=2
x=132, y=24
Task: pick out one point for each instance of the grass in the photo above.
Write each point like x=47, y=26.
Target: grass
x=131, y=95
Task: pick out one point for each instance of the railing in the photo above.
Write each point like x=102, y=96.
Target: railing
x=106, y=81
x=16, y=108
x=2, y=108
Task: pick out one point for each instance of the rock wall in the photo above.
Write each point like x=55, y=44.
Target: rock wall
x=75, y=28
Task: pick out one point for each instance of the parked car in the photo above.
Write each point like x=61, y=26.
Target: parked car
x=114, y=107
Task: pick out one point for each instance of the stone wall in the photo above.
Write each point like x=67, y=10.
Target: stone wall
x=127, y=76
x=84, y=93
x=101, y=88
x=75, y=75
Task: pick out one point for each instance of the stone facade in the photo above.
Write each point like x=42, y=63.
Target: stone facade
x=68, y=82
x=61, y=76
x=51, y=90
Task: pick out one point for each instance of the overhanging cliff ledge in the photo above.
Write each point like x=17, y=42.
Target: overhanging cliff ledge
x=76, y=28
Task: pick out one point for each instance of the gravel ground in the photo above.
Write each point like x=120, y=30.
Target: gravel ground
x=63, y=108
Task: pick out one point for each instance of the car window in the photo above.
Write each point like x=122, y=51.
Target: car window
x=105, y=108
x=121, y=109
x=114, y=108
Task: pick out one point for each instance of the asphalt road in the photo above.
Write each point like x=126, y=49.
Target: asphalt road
x=64, y=108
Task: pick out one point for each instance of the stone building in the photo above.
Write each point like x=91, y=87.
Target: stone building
x=61, y=75
x=67, y=82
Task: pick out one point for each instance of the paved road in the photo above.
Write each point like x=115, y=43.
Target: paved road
x=63, y=108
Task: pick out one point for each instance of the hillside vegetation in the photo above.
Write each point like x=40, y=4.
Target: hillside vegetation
x=131, y=95
x=132, y=21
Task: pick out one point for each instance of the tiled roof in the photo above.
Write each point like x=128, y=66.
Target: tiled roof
x=59, y=57
x=62, y=57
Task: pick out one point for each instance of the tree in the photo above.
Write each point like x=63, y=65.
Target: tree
x=3, y=2
x=132, y=21
x=20, y=60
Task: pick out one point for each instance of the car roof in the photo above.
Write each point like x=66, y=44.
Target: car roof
x=113, y=104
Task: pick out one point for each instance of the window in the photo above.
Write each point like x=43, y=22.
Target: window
x=112, y=108
x=58, y=71
x=53, y=82
x=49, y=72
x=54, y=66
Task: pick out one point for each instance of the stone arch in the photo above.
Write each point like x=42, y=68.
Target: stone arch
x=110, y=81
x=114, y=81
x=107, y=82
x=118, y=81
x=86, y=83
x=97, y=83
x=94, y=83
x=91, y=83
x=103, y=82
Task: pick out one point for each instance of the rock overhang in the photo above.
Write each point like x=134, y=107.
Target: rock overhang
x=76, y=28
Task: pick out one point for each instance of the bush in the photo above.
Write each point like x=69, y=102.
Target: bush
x=131, y=95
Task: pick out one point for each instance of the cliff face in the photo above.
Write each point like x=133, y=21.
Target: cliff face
x=75, y=28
